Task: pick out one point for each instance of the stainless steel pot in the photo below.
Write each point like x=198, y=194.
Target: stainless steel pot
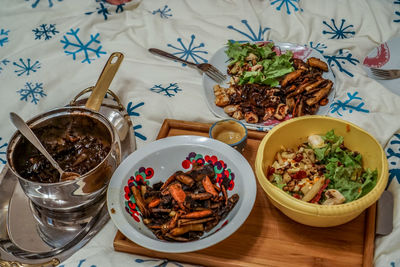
x=86, y=189
x=67, y=196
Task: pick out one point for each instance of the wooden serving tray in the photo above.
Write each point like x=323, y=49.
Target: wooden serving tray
x=268, y=237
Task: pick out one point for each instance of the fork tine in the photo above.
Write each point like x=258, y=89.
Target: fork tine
x=220, y=76
x=213, y=76
x=381, y=74
x=218, y=72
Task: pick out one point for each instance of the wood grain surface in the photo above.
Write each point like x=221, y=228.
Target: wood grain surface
x=268, y=237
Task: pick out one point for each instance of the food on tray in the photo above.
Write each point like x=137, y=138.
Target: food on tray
x=74, y=149
x=322, y=171
x=265, y=85
x=186, y=205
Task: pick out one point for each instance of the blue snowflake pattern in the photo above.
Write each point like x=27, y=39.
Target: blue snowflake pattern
x=80, y=264
x=288, y=4
x=349, y=105
x=131, y=109
x=3, y=153
x=46, y=31
x=343, y=32
x=3, y=63
x=32, y=91
x=392, y=157
x=26, y=68
x=137, y=134
x=131, y=112
x=164, y=262
x=191, y=52
x=320, y=47
x=251, y=35
x=397, y=13
x=36, y=2
x=341, y=59
x=103, y=9
x=81, y=47
x=164, y=13
x=3, y=37
x=167, y=91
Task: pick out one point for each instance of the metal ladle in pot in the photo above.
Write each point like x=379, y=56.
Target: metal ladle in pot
x=93, y=103
x=30, y=135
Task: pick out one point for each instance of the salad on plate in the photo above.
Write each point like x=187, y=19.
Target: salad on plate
x=272, y=82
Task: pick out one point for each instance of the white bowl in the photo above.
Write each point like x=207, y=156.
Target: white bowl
x=165, y=157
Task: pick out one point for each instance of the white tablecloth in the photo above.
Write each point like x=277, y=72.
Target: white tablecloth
x=52, y=49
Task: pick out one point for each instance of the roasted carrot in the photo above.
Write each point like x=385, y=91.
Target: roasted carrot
x=225, y=194
x=139, y=201
x=154, y=203
x=197, y=214
x=217, y=188
x=169, y=180
x=171, y=223
x=183, y=222
x=187, y=228
x=200, y=196
x=178, y=194
x=208, y=186
x=185, y=179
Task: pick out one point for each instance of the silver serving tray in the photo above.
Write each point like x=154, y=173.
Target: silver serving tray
x=26, y=241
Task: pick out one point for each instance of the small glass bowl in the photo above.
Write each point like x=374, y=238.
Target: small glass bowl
x=231, y=132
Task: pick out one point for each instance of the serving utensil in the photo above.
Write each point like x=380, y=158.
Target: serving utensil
x=206, y=68
x=104, y=81
x=30, y=135
x=385, y=74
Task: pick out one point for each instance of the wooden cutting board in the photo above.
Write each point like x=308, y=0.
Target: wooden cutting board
x=268, y=237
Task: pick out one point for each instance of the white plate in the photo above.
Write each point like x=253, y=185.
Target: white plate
x=165, y=157
x=385, y=56
x=220, y=60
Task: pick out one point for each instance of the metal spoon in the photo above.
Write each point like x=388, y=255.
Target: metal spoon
x=30, y=135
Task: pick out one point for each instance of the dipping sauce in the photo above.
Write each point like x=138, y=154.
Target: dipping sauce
x=229, y=137
x=230, y=132
x=77, y=143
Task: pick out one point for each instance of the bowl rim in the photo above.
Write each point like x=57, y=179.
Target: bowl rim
x=313, y=209
x=118, y=180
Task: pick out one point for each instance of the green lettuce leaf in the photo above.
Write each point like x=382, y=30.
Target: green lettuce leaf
x=344, y=168
x=274, y=66
x=278, y=181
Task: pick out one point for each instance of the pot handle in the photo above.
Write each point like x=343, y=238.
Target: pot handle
x=104, y=81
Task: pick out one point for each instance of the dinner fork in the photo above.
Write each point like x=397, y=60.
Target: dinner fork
x=383, y=74
x=206, y=68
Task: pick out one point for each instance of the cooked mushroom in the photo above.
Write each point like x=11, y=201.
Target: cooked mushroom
x=333, y=197
x=317, y=63
x=281, y=111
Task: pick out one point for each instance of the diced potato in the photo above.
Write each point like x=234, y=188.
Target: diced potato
x=286, y=177
x=287, y=155
x=314, y=190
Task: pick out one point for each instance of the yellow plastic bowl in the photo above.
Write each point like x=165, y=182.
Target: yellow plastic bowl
x=295, y=131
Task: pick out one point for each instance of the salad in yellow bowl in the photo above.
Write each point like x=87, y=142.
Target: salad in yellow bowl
x=322, y=171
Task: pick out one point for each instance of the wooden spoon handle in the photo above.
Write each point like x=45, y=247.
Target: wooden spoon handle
x=104, y=81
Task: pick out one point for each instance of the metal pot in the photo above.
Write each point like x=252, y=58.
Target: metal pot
x=87, y=188
x=67, y=196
